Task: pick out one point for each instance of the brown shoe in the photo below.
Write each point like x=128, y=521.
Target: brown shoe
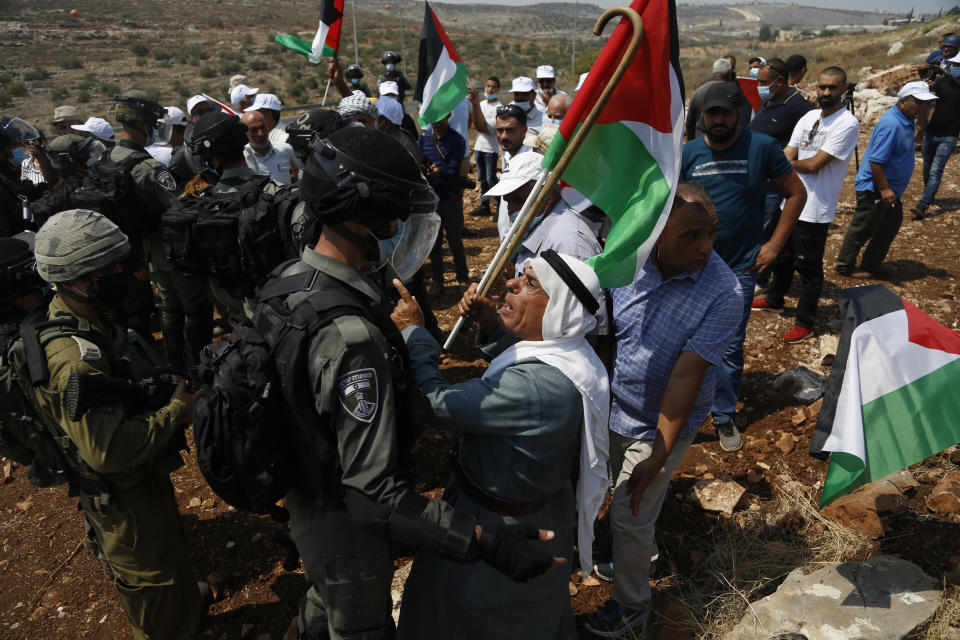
x=918, y=214
x=860, y=275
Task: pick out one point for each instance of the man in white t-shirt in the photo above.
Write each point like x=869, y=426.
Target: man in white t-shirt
x=524, y=93
x=820, y=149
x=275, y=159
x=511, y=130
x=484, y=119
x=547, y=79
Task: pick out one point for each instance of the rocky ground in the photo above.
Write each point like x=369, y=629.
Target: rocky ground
x=710, y=562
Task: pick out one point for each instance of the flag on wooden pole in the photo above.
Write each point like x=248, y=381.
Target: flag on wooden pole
x=326, y=42
x=441, y=74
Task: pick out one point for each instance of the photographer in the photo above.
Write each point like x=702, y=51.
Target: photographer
x=16, y=138
x=442, y=150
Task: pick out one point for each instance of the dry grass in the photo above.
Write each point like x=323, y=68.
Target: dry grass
x=747, y=557
x=945, y=624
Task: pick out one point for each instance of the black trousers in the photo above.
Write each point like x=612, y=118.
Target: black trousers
x=875, y=221
x=803, y=254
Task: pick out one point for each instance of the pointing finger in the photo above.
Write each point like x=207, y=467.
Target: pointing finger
x=402, y=290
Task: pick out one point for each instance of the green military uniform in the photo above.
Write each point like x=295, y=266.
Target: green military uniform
x=135, y=517
x=343, y=526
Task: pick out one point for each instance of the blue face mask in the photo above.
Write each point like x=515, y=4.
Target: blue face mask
x=555, y=121
x=390, y=66
x=764, y=92
x=954, y=71
x=523, y=105
x=151, y=138
x=355, y=80
x=490, y=96
x=754, y=72
x=18, y=156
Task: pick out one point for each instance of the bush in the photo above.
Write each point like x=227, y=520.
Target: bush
x=5, y=100
x=38, y=73
x=228, y=66
x=140, y=50
x=161, y=55
x=86, y=84
x=140, y=62
x=110, y=89
x=310, y=82
x=83, y=96
x=182, y=91
x=58, y=94
x=17, y=89
x=71, y=63
x=258, y=65
x=206, y=71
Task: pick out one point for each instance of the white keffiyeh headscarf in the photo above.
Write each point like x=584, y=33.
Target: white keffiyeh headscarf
x=566, y=323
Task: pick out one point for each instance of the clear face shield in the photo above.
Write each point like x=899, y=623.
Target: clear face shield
x=17, y=129
x=164, y=130
x=410, y=246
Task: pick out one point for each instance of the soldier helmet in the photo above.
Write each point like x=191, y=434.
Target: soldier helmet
x=354, y=71
x=75, y=242
x=952, y=40
x=137, y=106
x=16, y=129
x=390, y=56
x=18, y=272
x=217, y=134
x=70, y=150
x=308, y=127
x=360, y=174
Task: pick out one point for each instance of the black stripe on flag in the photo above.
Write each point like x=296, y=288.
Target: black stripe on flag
x=857, y=305
x=431, y=48
x=675, y=49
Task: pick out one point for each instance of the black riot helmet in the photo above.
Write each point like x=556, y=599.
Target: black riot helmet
x=217, y=134
x=360, y=174
x=309, y=127
x=18, y=268
x=353, y=71
x=390, y=56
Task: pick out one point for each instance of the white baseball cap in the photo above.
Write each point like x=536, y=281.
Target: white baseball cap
x=265, y=101
x=545, y=71
x=195, y=100
x=98, y=127
x=583, y=78
x=919, y=90
x=523, y=168
x=522, y=85
x=390, y=109
x=240, y=92
x=176, y=116
x=389, y=88
x=955, y=59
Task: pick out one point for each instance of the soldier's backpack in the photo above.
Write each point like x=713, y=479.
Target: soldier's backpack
x=113, y=183
x=256, y=429
x=236, y=237
x=27, y=435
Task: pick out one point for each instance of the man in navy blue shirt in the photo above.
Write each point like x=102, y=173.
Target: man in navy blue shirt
x=779, y=113
x=443, y=150
x=734, y=165
x=883, y=177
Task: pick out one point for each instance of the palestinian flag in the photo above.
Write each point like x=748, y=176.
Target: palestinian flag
x=441, y=76
x=892, y=399
x=629, y=163
x=749, y=88
x=326, y=43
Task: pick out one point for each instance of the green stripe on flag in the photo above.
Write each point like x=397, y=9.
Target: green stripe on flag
x=901, y=428
x=328, y=52
x=609, y=154
x=446, y=98
x=303, y=47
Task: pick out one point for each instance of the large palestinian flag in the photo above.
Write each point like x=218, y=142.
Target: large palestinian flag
x=892, y=398
x=326, y=42
x=629, y=163
x=441, y=76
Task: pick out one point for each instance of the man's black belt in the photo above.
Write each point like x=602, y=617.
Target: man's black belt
x=485, y=500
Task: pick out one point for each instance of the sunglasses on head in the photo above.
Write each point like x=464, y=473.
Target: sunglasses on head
x=510, y=110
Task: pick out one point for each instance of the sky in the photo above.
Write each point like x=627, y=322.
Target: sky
x=924, y=6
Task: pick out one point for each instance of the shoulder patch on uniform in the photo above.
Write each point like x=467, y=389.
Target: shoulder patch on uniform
x=359, y=394
x=88, y=350
x=165, y=180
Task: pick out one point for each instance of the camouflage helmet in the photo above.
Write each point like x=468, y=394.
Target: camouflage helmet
x=77, y=241
x=137, y=106
x=71, y=150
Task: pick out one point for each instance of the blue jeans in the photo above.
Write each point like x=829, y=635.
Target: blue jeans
x=936, y=152
x=771, y=218
x=487, y=169
x=730, y=369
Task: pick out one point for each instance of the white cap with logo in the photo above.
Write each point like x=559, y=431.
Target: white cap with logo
x=545, y=71
x=522, y=85
x=919, y=90
x=523, y=168
x=194, y=101
x=240, y=92
x=389, y=88
x=176, y=116
x=97, y=126
x=265, y=101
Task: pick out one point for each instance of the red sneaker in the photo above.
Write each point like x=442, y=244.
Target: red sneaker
x=798, y=334
x=761, y=304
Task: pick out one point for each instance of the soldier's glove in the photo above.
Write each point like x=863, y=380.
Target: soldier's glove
x=507, y=549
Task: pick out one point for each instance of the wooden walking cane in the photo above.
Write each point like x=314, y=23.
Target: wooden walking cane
x=528, y=214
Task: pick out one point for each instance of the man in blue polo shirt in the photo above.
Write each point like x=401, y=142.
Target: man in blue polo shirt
x=669, y=327
x=883, y=177
x=735, y=165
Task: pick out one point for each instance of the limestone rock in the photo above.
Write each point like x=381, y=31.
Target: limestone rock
x=895, y=48
x=945, y=497
x=862, y=509
x=828, y=349
x=788, y=441
x=884, y=598
x=194, y=502
x=718, y=495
